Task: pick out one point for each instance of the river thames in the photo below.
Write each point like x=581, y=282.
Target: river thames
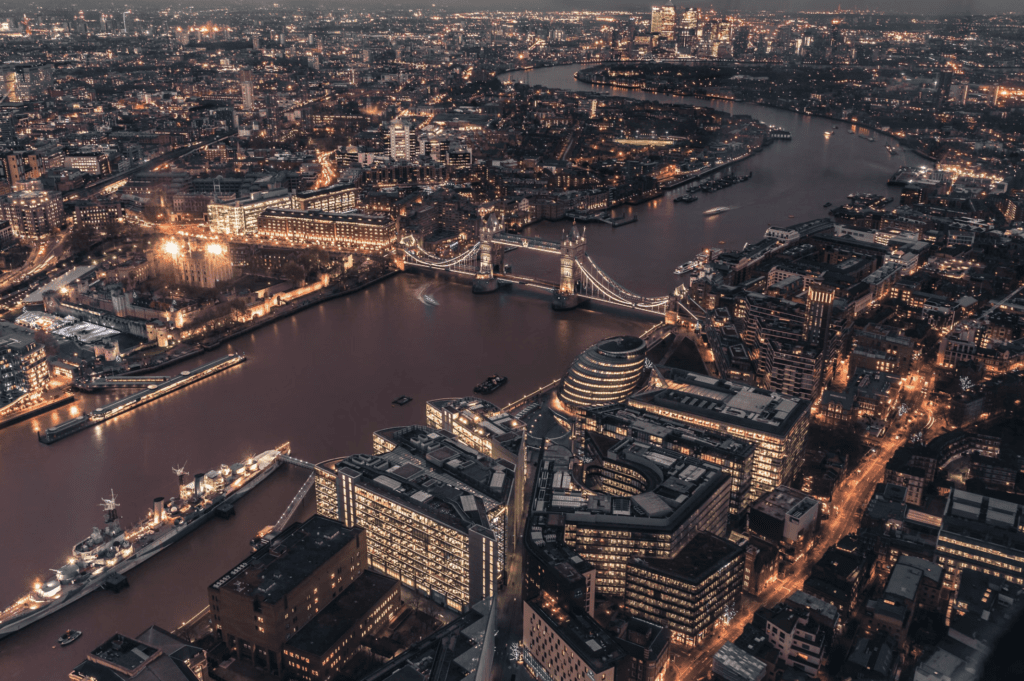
x=324, y=380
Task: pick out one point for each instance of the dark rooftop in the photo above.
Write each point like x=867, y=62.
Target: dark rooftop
x=704, y=554
x=276, y=569
x=341, y=614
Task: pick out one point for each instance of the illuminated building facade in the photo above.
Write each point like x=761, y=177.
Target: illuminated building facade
x=606, y=372
x=690, y=593
x=246, y=83
x=334, y=636
x=199, y=264
x=663, y=21
x=734, y=456
x=632, y=500
x=434, y=511
x=775, y=424
x=349, y=230
x=23, y=367
x=239, y=217
x=479, y=424
x=275, y=592
x=33, y=215
x=982, y=534
x=333, y=199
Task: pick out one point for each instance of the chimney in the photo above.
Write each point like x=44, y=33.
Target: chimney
x=198, y=489
x=158, y=509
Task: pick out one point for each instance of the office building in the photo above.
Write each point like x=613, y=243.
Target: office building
x=635, y=500
x=981, y=534
x=774, y=423
x=355, y=231
x=257, y=606
x=568, y=645
x=691, y=593
x=434, y=511
x=402, y=140
x=479, y=424
x=23, y=368
x=33, y=215
x=606, y=372
x=735, y=457
x=336, y=198
x=784, y=516
x=663, y=21
x=240, y=217
x=330, y=640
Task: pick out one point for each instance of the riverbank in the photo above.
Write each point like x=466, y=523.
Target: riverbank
x=59, y=401
x=705, y=95
x=297, y=305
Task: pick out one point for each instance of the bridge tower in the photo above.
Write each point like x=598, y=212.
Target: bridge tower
x=677, y=296
x=574, y=248
x=491, y=257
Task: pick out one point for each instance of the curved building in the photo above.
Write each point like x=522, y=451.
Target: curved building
x=608, y=371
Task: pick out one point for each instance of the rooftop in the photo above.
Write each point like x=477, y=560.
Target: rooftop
x=704, y=554
x=341, y=614
x=725, y=402
x=274, y=570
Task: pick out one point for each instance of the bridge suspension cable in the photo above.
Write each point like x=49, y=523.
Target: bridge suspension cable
x=616, y=291
x=431, y=262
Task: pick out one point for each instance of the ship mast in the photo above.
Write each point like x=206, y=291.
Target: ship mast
x=110, y=508
x=181, y=473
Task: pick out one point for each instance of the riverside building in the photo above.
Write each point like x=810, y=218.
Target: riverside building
x=434, y=511
x=271, y=595
x=479, y=424
x=776, y=424
x=349, y=230
x=606, y=372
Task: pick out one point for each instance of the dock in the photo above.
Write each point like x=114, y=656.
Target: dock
x=154, y=391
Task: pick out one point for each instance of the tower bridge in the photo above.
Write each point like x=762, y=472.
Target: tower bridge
x=579, y=277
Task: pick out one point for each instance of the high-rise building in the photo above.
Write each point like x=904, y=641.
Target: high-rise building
x=732, y=455
x=433, y=508
x=982, y=534
x=402, y=140
x=246, y=82
x=23, y=367
x=639, y=500
x=663, y=21
x=691, y=593
x=25, y=82
x=776, y=424
x=33, y=215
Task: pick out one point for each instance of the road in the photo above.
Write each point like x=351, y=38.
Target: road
x=848, y=504
x=509, y=620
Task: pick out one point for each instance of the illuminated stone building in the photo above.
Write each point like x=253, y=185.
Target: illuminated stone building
x=348, y=230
